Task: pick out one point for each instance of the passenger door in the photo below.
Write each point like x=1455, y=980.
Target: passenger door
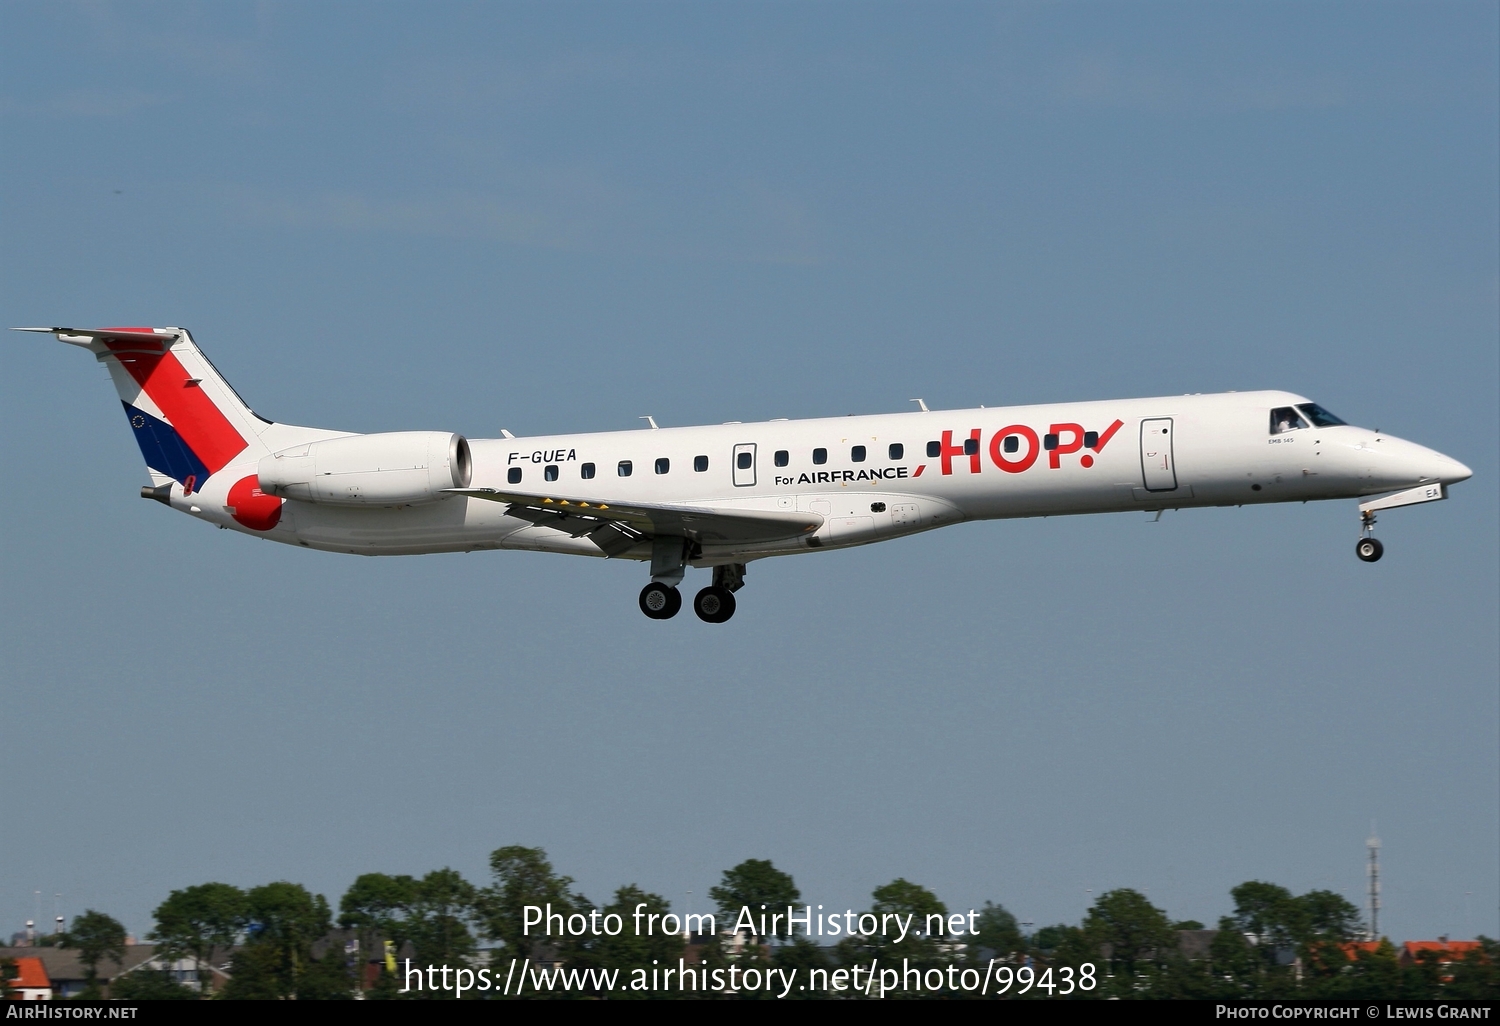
x=744, y=465
x=1158, y=472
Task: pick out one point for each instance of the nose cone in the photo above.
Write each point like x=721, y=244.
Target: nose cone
x=1396, y=463
x=1428, y=465
x=1449, y=470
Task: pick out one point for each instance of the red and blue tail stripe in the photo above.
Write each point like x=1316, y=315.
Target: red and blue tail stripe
x=165, y=451
x=192, y=439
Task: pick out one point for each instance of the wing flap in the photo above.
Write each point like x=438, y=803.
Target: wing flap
x=603, y=521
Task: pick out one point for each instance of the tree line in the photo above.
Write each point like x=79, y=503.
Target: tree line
x=280, y=942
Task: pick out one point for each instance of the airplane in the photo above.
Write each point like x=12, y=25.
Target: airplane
x=718, y=497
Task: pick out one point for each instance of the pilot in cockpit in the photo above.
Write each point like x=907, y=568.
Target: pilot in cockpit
x=1284, y=419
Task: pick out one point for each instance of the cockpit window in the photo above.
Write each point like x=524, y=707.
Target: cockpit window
x=1286, y=418
x=1319, y=416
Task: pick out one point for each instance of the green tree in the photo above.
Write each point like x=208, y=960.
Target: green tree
x=1323, y=917
x=150, y=985
x=1267, y=913
x=1049, y=939
x=1237, y=962
x=194, y=921
x=380, y=904
x=1422, y=979
x=285, y=919
x=628, y=951
x=998, y=932
x=256, y=973
x=9, y=971
x=326, y=979
x=911, y=903
x=96, y=936
x=523, y=876
x=752, y=884
x=437, y=920
x=377, y=901
x=1370, y=975
x=1135, y=930
x=1477, y=976
x=802, y=955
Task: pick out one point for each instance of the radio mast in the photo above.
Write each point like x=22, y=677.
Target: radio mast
x=1372, y=902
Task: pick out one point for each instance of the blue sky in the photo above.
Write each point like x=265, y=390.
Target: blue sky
x=557, y=217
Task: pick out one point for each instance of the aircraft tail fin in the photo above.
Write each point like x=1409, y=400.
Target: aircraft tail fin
x=189, y=422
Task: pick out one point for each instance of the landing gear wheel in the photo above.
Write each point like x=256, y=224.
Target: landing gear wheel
x=714, y=604
x=1369, y=549
x=660, y=602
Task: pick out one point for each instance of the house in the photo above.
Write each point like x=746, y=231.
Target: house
x=31, y=982
x=187, y=971
x=67, y=973
x=1443, y=950
x=1196, y=944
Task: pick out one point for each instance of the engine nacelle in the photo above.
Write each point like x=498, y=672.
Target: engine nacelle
x=394, y=468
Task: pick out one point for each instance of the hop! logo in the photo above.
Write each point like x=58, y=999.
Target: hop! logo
x=1016, y=448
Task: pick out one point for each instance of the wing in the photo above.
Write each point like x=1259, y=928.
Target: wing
x=616, y=526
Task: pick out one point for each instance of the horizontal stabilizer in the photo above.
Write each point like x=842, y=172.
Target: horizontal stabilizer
x=123, y=334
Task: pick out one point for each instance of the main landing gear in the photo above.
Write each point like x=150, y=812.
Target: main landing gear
x=1368, y=548
x=660, y=601
x=715, y=604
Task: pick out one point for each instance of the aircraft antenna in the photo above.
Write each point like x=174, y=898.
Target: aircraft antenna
x=1372, y=870
x=921, y=404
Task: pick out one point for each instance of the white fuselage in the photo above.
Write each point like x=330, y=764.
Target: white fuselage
x=1133, y=454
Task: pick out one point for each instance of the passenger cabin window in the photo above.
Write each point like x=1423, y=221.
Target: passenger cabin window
x=624, y=468
x=1286, y=418
x=663, y=465
x=971, y=446
x=783, y=457
x=513, y=475
x=897, y=450
x=1319, y=416
x=586, y=471
x=1091, y=438
x=1012, y=443
x=1049, y=442
x=820, y=456
x=743, y=460
x=934, y=450
x=857, y=454
x=700, y=463
x=549, y=472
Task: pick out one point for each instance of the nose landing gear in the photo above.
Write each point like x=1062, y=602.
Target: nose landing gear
x=1368, y=548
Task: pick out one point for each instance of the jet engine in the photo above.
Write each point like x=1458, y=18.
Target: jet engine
x=394, y=468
